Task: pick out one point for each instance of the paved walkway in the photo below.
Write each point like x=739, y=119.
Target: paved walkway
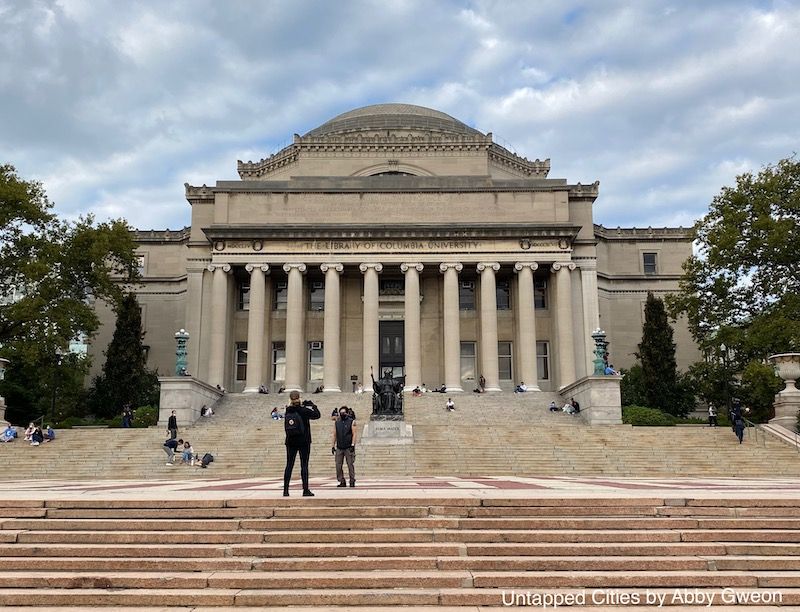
x=435, y=487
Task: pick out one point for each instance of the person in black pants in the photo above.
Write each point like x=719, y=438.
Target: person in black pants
x=172, y=426
x=298, y=440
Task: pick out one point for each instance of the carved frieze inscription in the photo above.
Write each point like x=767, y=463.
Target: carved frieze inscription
x=399, y=245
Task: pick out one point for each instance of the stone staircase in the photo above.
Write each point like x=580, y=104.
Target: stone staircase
x=404, y=551
x=503, y=434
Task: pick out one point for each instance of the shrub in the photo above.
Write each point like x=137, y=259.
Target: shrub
x=642, y=416
x=145, y=416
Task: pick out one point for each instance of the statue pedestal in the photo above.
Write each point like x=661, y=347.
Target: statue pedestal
x=787, y=402
x=3, y=421
x=387, y=432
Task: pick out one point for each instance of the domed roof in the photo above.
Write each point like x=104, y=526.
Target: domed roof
x=393, y=116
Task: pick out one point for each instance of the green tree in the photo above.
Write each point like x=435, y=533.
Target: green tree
x=759, y=386
x=632, y=387
x=50, y=272
x=743, y=286
x=663, y=387
x=125, y=378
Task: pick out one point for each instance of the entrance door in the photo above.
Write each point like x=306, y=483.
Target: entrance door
x=393, y=354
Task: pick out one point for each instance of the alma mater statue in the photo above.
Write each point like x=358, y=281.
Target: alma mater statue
x=387, y=398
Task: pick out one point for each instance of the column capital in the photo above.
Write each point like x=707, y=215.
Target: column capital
x=225, y=267
x=444, y=267
x=492, y=265
x=570, y=266
x=520, y=265
x=264, y=267
x=331, y=266
x=405, y=267
x=590, y=264
x=300, y=266
x=378, y=267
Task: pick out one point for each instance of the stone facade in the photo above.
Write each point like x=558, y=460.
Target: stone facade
x=395, y=236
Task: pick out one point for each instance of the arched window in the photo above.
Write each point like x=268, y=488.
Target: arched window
x=392, y=173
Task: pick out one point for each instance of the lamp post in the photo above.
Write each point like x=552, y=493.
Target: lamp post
x=600, y=344
x=3, y=365
x=57, y=364
x=727, y=392
x=181, y=339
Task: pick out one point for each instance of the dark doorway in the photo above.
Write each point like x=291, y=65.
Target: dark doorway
x=393, y=353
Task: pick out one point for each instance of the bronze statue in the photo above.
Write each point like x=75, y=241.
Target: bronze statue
x=387, y=398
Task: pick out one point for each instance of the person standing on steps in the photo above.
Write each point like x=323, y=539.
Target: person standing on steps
x=297, y=426
x=172, y=426
x=344, y=445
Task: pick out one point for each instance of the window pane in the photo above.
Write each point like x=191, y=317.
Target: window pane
x=315, y=361
x=504, y=360
x=278, y=361
x=543, y=360
x=503, y=292
x=392, y=286
x=281, y=296
x=317, y=296
x=241, y=361
x=539, y=293
x=244, y=296
x=650, y=263
x=466, y=295
x=467, y=361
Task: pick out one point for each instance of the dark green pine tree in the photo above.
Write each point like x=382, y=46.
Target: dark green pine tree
x=125, y=378
x=657, y=356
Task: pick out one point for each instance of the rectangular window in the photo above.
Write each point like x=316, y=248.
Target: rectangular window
x=278, y=361
x=503, y=292
x=543, y=360
x=540, y=293
x=467, y=361
x=243, y=296
x=650, y=262
x=392, y=286
x=466, y=295
x=315, y=360
x=316, y=294
x=504, y=360
x=241, y=361
x=140, y=264
x=281, y=295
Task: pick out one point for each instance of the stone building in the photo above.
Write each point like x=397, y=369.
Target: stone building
x=395, y=237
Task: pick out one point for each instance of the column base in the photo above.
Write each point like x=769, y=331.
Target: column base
x=331, y=390
x=492, y=390
x=250, y=390
x=454, y=390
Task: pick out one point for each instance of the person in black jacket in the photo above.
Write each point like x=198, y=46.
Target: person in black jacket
x=306, y=411
x=172, y=426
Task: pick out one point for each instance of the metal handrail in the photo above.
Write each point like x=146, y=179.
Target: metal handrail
x=756, y=428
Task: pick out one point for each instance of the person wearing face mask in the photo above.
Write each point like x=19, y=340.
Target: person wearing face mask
x=344, y=445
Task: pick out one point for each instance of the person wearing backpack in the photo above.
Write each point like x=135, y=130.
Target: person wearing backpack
x=344, y=445
x=296, y=424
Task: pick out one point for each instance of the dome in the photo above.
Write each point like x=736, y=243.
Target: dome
x=393, y=117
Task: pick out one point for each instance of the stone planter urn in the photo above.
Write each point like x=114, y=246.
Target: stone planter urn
x=787, y=402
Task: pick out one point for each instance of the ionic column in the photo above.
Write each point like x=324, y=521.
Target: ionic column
x=255, y=327
x=526, y=324
x=452, y=329
x=219, y=323
x=331, y=376
x=194, y=311
x=413, y=330
x=489, y=361
x=591, y=311
x=564, y=340
x=371, y=336
x=295, y=319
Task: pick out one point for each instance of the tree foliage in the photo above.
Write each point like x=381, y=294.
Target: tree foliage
x=51, y=270
x=742, y=289
x=663, y=387
x=125, y=378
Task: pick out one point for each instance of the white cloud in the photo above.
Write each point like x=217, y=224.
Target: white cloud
x=116, y=105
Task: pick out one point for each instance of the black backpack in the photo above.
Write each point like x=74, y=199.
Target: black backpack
x=294, y=427
x=207, y=458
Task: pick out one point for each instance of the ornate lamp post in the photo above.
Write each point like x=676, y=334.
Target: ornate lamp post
x=600, y=345
x=725, y=354
x=56, y=364
x=181, y=339
x=3, y=365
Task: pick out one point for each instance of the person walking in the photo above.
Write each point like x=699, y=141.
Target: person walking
x=712, y=415
x=344, y=445
x=297, y=426
x=172, y=425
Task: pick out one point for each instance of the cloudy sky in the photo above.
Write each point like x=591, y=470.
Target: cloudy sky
x=114, y=105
